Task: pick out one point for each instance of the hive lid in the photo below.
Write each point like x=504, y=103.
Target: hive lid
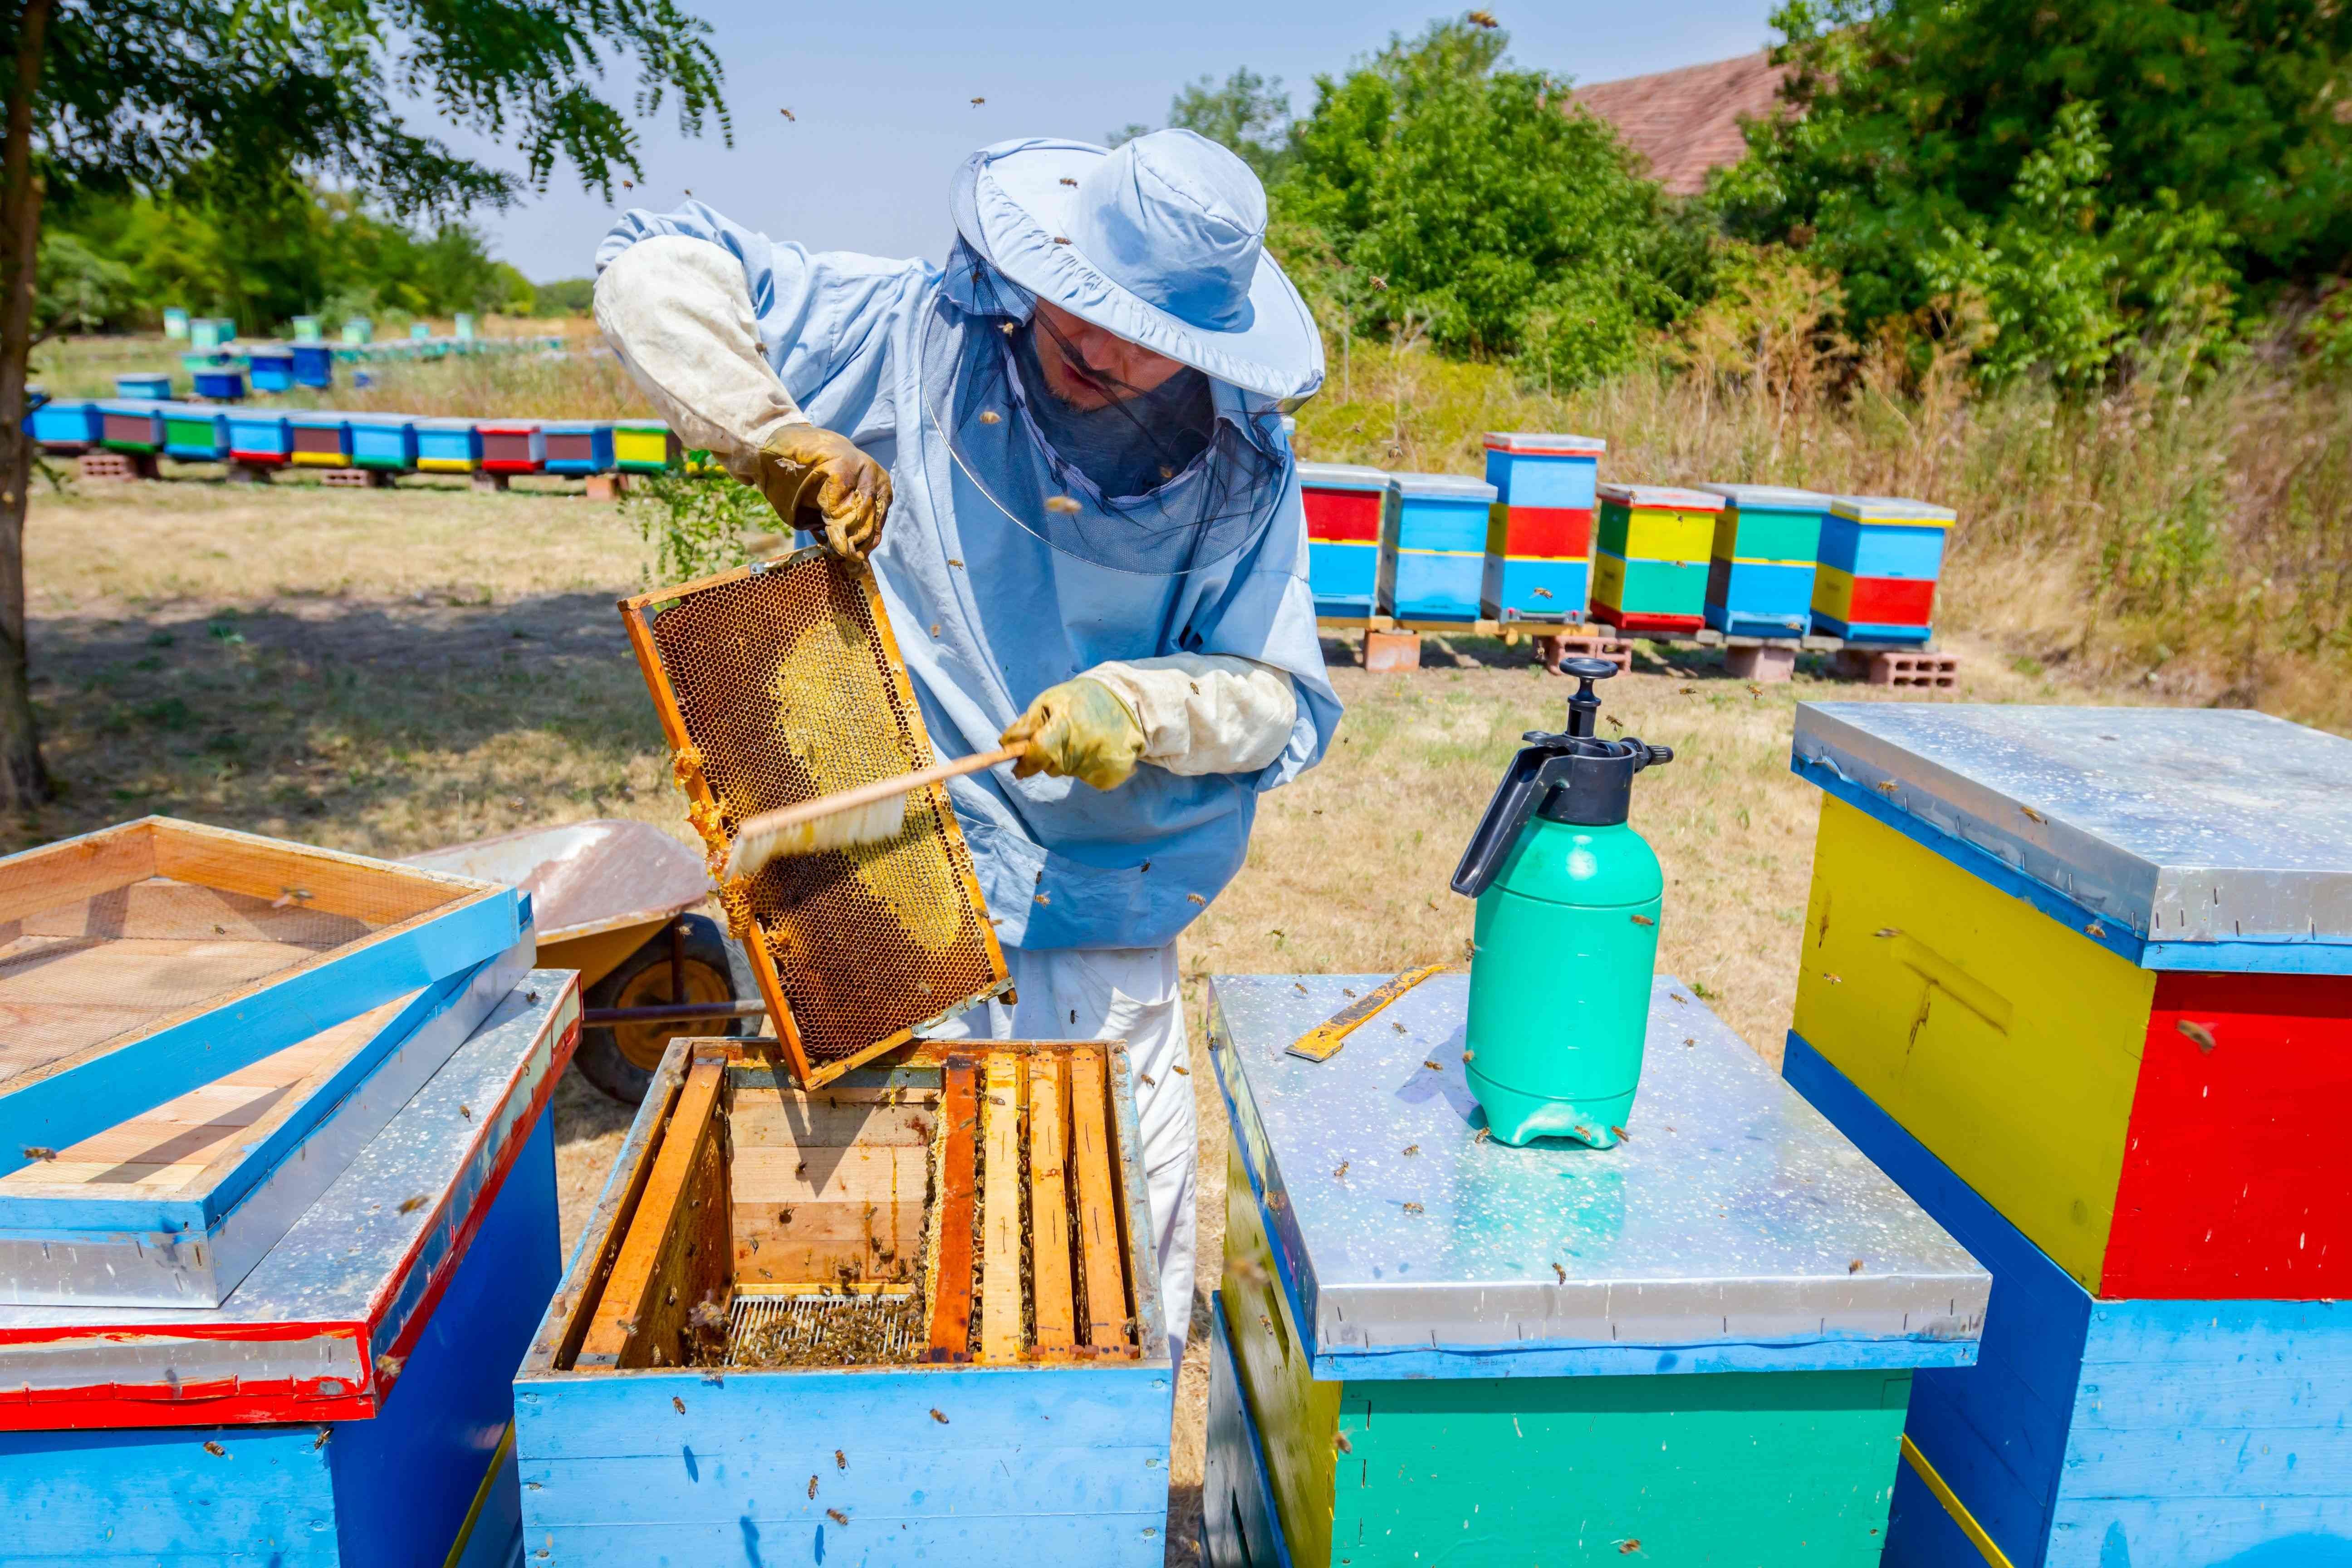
x=1662, y=497
x=1342, y=477
x=1544, y=444
x=1721, y=1235
x=1771, y=497
x=2181, y=838
x=1893, y=509
x=1446, y=487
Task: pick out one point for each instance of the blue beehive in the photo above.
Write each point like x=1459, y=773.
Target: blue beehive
x=383, y=441
x=314, y=364
x=1439, y=563
x=1350, y=518
x=1880, y=559
x=448, y=445
x=1539, y=533
x=350, y=1405
x=1761, y=570
x=579, y=447
x=272, y=367
x=260, y=439
x=66, y=426
x=146, y=385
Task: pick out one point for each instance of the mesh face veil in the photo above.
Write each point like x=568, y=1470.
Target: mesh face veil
x=1211, y=472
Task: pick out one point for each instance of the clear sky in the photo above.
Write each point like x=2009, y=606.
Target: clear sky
x=882, y=93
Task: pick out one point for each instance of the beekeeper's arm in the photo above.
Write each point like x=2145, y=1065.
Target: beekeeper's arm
x=1188, y=712
x=676, y=308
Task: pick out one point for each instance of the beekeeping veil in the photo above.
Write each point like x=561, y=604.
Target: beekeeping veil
x=1161, y=242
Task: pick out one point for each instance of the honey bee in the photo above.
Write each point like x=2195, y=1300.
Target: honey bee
x=1432, y=1065
x=467, y=1112
x=1644, y=921
x=978, y=101
x=1341, y=1173
x=939, y=1418
x=2198, y=1034
x=320, y=1441
x=789, y=115
x=37, y=1152
x=1483, y=1133
x=1622, y=1136
x=1481, y=19
x=812, y=1488
x=1412, y=1149
x=1061, y=504
x=1345, y=1447
x=214, y=1449
x=1413, y=1208
x=1887, y=931
x=835, y=1515
x=410, y=1205
x=677, y=1404
x=390, y=1366
x=1069, y=182
x=991, y=416
x=840, y=1460
x=1196, y=897
x=1854, y=1267
x=1561, y=1273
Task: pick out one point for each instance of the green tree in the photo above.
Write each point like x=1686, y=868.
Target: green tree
x=1246, y=112
x=135, y=95
x=1476, y=203
x=568, y=296
x=2220, y=125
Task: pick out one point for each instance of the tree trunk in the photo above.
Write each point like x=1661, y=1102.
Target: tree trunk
x=23, y=779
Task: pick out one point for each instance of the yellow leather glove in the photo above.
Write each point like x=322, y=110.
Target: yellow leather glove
x=1078, y=730
x=819, y=480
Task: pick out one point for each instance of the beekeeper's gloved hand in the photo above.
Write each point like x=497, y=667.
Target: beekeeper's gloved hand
x=819, y=480
x=1078, y=730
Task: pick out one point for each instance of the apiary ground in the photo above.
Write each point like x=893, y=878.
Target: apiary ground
x=387, y=672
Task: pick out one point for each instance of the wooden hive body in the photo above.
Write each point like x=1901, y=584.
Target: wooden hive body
x=1539, y=532
x=2157, y=1432
x=914, y=1306
x=350, y=1405
x=1350, y=518
x=1430, y=1347
x=1650, y=557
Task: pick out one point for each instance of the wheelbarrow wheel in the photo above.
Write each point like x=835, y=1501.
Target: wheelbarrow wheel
x=620, y=1060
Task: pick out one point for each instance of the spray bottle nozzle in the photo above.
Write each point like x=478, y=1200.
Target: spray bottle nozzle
x=1585, y=706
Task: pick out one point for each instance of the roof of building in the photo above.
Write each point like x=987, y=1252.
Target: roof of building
x=1686, y=121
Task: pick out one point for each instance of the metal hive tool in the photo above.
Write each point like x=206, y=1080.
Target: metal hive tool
x=777, y=683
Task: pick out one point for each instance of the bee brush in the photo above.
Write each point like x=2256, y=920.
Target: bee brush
x=869, y=813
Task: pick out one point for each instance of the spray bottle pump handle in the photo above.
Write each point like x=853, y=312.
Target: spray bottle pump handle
x=1585, y=706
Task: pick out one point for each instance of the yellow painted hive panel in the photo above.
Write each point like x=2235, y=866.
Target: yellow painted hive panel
x=2005, y=1042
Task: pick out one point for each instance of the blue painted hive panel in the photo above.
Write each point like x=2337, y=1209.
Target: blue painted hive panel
x=1882, y=550
x=1719, y=1238
x=1517, y=587
x=1433, y=587
x=2156, y=1434
x=1548, y=479
x=1343, y=576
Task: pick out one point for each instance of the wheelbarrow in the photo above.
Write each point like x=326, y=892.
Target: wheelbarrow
x=613, y=900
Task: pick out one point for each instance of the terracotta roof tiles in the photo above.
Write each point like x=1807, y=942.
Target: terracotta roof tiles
x=1686, y=121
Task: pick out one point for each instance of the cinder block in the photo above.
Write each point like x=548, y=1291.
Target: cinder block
x=486, y=480
x=116, y=465
x=606, y=487
x=1389, y=651
x=1551, y=650
x=1930, y=672
x=1761, y=662
x=355, y=478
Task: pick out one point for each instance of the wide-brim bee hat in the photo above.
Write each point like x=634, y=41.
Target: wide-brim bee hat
x=1160, y=240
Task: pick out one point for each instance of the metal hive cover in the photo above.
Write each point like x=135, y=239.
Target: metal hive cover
x=778, y=683
x=1734, y=1230
x=1779, y=498
x=2195, y=838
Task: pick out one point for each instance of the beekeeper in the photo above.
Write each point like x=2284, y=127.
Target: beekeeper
x=1064, y=455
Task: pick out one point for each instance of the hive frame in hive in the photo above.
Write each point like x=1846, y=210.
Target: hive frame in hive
x=710, y=816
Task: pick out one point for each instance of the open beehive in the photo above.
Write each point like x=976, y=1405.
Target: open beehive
x=778, y=683
x=850, y=1303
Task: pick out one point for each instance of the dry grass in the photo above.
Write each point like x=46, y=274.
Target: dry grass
x=389, y=671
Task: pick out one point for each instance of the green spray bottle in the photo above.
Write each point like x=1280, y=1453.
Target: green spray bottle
x=1567, y=932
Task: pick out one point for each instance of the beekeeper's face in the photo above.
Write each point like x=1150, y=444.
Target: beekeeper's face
x=1087, y=367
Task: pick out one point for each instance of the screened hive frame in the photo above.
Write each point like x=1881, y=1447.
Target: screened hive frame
x=777, y=683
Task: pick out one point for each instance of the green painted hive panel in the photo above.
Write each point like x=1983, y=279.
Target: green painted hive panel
x=1768, y=535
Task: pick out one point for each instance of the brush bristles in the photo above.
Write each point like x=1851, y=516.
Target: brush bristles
x=872, y=824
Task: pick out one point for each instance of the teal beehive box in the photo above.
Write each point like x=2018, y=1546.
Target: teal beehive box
x=359, y=329
x=1760, y=578
x=175, y=324
x=306, y=329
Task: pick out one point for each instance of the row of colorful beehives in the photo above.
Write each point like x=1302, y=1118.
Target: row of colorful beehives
x=392, y=443
x=1541, y=541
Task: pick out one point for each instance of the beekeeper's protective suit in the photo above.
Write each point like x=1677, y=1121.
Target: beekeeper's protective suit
x=1081, y=543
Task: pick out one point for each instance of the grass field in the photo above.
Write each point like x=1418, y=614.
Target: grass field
x=388, y=670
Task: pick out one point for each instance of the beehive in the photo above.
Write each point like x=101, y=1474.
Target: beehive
x=512, y=446
x=314, y=364
x=2082, y=979
x=1693, y=1349
x=1439, y=563
x=448, y=445
x=220, y=381
x=579, y=447
x=644, y=447
x=195, y=434
x=132, y=425
x=1650, y=564
x=383, y=441
x=272, y=368
x=911, y=1311
x=261, y=439
x=1759, y=576
x=66, y=425
x=1350, y=511
x=1880, y=558
x=775, y=684
x=320, y=439
x=350, y=1405
x=1539, y=531
x=155, y=388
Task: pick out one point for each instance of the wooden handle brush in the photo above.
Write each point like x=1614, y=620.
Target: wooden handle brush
x=870, y=814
